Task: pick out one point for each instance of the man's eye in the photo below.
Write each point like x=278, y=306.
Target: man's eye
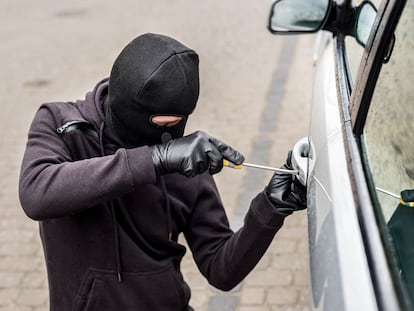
x=166, y=121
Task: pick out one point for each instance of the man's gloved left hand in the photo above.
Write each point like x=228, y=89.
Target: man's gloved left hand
x=285, y=192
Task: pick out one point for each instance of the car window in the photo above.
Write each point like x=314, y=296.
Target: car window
x=389, y=142
x=389, y=128
x=354, y=50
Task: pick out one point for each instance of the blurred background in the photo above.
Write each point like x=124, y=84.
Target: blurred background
x=255, y=96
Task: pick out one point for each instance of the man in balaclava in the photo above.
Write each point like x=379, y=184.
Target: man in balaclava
x=113, y=183
x=154, y=75
x=153, y=88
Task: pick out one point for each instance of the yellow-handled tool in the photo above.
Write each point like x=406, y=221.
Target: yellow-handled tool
x=262, y=167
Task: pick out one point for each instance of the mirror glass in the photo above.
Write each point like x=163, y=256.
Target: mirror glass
x=365, y=21
x=298, y=15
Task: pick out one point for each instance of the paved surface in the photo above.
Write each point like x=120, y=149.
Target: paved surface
x=255, y=95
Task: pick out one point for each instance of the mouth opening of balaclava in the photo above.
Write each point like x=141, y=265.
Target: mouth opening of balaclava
x=153, y=75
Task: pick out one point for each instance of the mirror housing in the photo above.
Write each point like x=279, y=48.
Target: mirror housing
x=309, y=16
x=298, y=16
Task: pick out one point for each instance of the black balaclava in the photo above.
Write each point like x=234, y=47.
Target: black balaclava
x=153, y=75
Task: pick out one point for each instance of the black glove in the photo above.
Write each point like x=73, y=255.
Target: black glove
x=193, y=154
x=285, y=192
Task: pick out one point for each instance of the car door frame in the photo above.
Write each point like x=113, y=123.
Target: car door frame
x=355, y=105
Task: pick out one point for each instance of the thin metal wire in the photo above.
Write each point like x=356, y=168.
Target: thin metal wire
x=388, y=193
x=269, y=168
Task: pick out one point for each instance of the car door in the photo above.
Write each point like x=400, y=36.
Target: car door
x=382, y=118
x=353, y=189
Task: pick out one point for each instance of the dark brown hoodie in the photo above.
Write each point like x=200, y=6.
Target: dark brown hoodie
x=105, y=218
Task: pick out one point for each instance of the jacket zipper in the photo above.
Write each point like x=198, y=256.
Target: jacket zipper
x=65, y=127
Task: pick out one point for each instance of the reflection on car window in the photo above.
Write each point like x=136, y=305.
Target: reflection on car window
x=402, y=231
x=354, y=53
x=389, y=137
x=354, y=50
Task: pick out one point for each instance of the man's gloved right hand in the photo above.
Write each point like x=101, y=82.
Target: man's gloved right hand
x=193, y=154
x=285, y=192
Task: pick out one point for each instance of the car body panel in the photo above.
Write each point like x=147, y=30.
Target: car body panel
x=337, y=255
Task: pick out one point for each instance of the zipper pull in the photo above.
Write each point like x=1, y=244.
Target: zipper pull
x=62, y=129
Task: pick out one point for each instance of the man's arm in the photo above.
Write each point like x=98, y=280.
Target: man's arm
x=53, y=185
x=225, y=258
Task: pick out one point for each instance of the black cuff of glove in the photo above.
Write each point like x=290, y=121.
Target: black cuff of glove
x=279, y=209
x=156, y=160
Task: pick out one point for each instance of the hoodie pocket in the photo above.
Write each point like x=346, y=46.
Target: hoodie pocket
x=161, y=290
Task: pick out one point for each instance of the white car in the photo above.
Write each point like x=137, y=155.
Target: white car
x=358, y=159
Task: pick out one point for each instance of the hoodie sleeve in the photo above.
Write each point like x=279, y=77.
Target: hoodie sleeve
x=52, y=185
x=224, y=257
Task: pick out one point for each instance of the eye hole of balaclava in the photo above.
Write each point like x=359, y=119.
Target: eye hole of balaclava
x=153, y=76
x=166, y=121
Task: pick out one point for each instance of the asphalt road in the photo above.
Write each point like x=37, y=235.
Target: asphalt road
x=255, y=95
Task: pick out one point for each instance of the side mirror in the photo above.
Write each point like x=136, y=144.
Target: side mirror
x=366, y=15
x=308, y=16
x=298, y=16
